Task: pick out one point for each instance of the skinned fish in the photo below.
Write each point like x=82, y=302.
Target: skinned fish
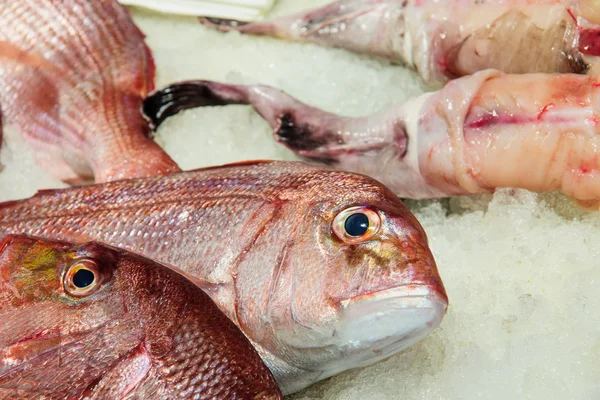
x=322, y=270
x=480, y=132
x=90, y=321
x=446, y=39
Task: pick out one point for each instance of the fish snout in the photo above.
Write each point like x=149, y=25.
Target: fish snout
x=405, y=303
x=424, y=273
x=376, y=325
x=413, y=264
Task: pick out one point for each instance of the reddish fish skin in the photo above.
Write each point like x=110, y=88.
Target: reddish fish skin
x=73, y=74
x=263, y=231
x=145, y=332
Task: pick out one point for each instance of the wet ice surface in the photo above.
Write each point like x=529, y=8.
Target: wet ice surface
x=521, y=270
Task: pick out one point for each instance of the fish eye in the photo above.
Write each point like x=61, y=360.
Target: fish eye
x=356, y=225
x=82, y=278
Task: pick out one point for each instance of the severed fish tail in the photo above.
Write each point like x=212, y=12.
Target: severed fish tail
x=308, y=131
x=362, y=26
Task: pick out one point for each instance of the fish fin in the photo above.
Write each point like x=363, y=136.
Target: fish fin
x=164, y=103
x=39, y=194
x=245, y=163
x=77, y=98
x=228, y=25
x=355, y=25
x=308, y=131
x=36, y=101
x=134, y=367
x=9, y=203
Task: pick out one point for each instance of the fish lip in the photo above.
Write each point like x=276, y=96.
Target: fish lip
x=421, y=305
x=375, y=325
x=432, y=292
x=400, y=313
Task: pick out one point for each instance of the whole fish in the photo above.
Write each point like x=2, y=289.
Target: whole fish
x=480, y=132
x=322, y=270
x=446, y=39
x=90, y=321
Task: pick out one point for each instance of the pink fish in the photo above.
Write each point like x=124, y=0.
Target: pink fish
x=478, y=133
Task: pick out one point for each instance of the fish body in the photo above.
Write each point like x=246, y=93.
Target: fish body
x=444, y=39
x=269, y=242
x=89, y=321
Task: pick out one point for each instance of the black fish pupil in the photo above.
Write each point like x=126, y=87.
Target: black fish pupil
x=83, y=278
x=357, y=224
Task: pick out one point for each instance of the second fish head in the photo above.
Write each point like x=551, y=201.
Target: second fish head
x=354, y=280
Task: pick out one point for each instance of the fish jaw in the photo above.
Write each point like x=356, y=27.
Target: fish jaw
x=369, y=326
x=373, y=327
x=377, y=325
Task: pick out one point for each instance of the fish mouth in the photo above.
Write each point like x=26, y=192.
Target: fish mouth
x=377, y=325
x=416, y=291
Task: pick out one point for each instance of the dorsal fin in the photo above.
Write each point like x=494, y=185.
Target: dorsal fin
x=236, y=164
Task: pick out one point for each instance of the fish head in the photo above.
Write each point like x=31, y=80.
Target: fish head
x=358, y=281
x=62, y=319
x=90, y=320
x=60, y=277
x=58, y=288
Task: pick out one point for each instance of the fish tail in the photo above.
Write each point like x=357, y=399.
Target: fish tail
x=355, y=25
x=306, y=130
x=164, y=103
x=76, y=82
x=294, y=123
